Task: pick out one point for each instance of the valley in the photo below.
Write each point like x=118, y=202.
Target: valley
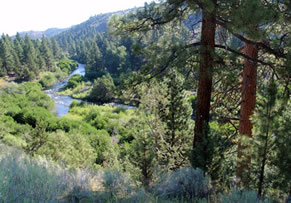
x=175, y=101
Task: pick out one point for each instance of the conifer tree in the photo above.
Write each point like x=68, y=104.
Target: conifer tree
x=2, y=72
x=141, y=150
x=47, y=54
x=30, y=55
x=56, y=49
x=248, y=89
x=18, y=47
x=94, y=66
x=6, y=55
x=250, y=19
x=175, y=112
x=168, y=115
x=264, y=120
x=155, y=15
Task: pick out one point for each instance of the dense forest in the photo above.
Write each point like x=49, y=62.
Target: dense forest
x=181, y=101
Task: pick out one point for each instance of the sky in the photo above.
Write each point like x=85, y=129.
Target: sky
x=39, y=15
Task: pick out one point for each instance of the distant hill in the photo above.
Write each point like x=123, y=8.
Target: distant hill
x=51, y=32
x=97, y=23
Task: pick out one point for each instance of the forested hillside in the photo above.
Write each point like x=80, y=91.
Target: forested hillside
x=24, y=58
x=51, y=32
x=208, y=114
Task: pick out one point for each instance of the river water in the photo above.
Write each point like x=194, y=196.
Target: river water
x=63, y=102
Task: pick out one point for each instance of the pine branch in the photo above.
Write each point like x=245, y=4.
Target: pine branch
x=261, y=45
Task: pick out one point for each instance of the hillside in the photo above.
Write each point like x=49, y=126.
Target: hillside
x=87, y=29
x=51, y=32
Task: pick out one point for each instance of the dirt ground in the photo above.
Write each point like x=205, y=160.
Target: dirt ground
x=3, y=82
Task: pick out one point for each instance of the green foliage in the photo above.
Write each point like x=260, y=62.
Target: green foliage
x=213, y=153
x=67, y=65
x=48, y=80
x=46, y=54
x=22, y=59
x=102, y=53
x=175, y=113
x=140, y=152
x=37, y=138
x=193, y=101
x=101, y=144
x=282, y=143
x=103, y=117
x=157, y=136
x=79, y=90
x=269, y=151
x=27, y=123
x=74, y=80
x=14, y=97
x=254, y=13
x=72, y=149
x=102, y=90
x=168, y=115
x=94, y=66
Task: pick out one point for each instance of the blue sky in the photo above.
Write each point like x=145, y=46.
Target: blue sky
x=38, y=15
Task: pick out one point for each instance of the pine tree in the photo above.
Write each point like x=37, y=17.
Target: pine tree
x=30, y=55
x=155, y=15
x=6, y=56
x=94, y=66
x=175, y=113
x=2, y=72
x=168, y=115
x=18, y=47
x=56, y=49
x=141, y=151
x=47, y=54
x=248, y=89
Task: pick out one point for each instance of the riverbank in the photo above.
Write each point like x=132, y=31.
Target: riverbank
x=65, y=68
x=63, y=102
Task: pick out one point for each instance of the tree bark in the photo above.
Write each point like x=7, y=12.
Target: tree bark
x=247, y=108
x=205, y=82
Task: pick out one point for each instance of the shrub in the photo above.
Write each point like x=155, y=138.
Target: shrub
x=48, y=80
x=74, y=81
x=72, y=149
x=103, y=89
x=241, y=196
x=186, y=183
x=116, y=183
x=140, y=195
x=67, y=65
x=101, y=142
x=26, y=179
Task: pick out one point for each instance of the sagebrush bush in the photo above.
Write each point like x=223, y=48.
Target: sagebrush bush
x=186, y=183
x=242, y=196
x=117, y=183
x=27, y=179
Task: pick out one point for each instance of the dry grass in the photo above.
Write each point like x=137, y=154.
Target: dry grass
x=3, y=82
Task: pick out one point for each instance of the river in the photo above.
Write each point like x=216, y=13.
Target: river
x=63, y=102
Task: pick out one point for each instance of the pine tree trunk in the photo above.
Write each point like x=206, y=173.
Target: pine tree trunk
x=247, y=108
x=205, y=83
